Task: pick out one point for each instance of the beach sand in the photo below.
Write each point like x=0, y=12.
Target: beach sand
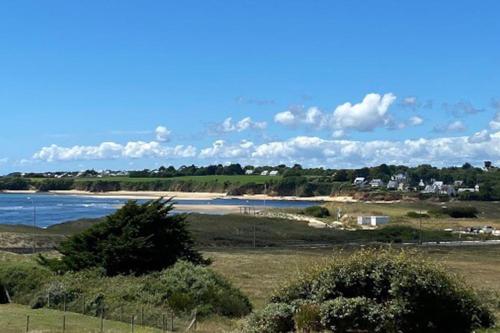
x=190, y=195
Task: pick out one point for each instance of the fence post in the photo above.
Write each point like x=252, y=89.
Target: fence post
x=83, y=304
x=64, y=302
x=163, y=326
x=132, y=323
x=27, y=323
x=48, y=300
x=102, y=320
x=64, y=324
x=142, y=316
x=172, y=320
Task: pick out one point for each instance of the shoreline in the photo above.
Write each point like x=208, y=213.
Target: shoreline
x=133, y=195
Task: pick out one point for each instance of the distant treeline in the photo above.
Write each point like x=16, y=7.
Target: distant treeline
x=294, y=180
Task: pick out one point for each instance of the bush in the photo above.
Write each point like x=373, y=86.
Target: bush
x=416, y=215
x=185, y=287
x=358, y=313
x=456, y=212
x=316, y=211
x=384, y=290
x=137, y=239
x=22, y=280
x=274, y=318
x=308, y=318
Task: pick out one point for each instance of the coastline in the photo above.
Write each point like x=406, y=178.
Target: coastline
x=184, y=195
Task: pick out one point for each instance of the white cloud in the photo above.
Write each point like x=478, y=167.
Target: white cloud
x=285, y=118
x=370, y=113
x=364, y=116
x=479, y=137
x=246, y=123
x=309, y=150
x=162, y=133
x=221, y=149
x=112, y=150
x=416, y=120
x=495, y=123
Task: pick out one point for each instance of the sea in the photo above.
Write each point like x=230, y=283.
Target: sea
x=48, y=209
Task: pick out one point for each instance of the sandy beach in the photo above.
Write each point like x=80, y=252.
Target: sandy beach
x=188, y=195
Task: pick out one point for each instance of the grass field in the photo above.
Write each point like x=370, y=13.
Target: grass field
x=241, y=179
x=258, y=272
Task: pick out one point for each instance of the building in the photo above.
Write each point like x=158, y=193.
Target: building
x=273, y=173
x=376, y=183
x=373, y=220
x=392, y=185
x=264, y=173
x=359, y=181
x=249, y=172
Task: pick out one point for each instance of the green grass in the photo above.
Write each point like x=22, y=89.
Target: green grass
x=241, y=179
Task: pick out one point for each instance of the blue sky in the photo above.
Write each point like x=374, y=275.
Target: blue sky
x=87, y=84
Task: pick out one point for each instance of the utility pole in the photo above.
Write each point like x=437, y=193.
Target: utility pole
x=34, y=223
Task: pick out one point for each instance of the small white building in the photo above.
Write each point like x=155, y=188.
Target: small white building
x=264, y=173
x=373, y=220
x=273, y=173
x=376, y=183
x=359, y=181
x=248, y=172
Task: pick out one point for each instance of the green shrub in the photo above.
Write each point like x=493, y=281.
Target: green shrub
x=274, y=318
x=416, y=215
x=316, y=211
x=456, y=212
x=308, y=318
x=357, y=313
x=386, y=288
x=136, y=239
x=186, y=286
x=22, y=280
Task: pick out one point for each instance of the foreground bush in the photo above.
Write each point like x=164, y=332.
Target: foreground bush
x=380, y=291
x=136, y=239
x=182, y=288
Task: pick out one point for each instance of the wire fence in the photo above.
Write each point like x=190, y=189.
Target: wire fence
x=130, y=317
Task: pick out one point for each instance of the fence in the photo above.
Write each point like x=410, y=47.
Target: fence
x=130, y=317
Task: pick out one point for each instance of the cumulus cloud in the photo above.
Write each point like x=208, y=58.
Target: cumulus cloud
x=162, y=133
x=479, y=137
x=286, y=118
x=112, y=150
x=366, y=115
x=310, y=150
x=228, y=125
x=495, y=123
x=370, y=113
x=221, y=149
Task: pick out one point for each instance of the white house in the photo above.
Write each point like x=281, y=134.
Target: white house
x=264, y=173
x=273, y=173
x=248, y=172
x=373, y=220
x=376, y=183
x=392, y=185
x=359, y=181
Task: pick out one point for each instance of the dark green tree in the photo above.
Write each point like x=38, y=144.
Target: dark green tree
x=136, y=239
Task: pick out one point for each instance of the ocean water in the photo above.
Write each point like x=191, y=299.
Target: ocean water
x=51, y=209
